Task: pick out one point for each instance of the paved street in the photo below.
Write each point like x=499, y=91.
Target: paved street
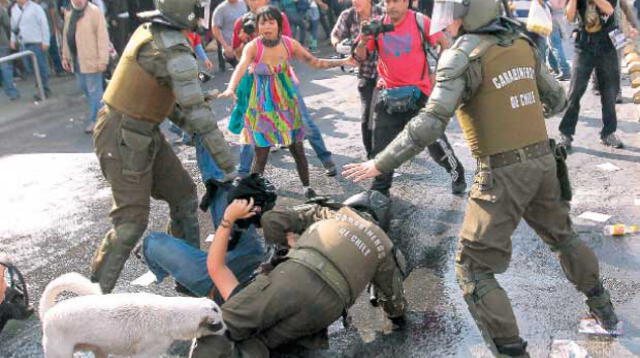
x=55, y=202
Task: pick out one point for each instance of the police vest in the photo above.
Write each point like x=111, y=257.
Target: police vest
x=505, y=113
x=352, y=244
x=135, y=92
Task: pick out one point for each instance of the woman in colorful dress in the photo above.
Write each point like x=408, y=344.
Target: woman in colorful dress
x=273, y=114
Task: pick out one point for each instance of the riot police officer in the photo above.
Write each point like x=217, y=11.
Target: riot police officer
x=340, y=250
x=155, y=78
x=501, y=91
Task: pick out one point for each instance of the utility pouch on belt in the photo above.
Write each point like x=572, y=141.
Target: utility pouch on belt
x=400, y=99
x=560, y=153
x=484, y=176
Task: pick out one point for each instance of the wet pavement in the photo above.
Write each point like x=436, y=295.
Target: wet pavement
x=55, y=201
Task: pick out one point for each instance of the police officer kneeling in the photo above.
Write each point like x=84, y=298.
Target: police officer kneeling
x=339, y=251
x=501, y=90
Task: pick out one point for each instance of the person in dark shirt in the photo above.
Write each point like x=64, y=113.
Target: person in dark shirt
x=594, y=50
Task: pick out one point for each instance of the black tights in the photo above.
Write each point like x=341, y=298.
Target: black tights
x=296, y=149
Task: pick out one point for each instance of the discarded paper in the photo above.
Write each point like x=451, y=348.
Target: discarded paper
x=39, y=135
x=209, y=238
x=563, y=348
x=590, y=215
x=591, y=326
x=608, y=167
x=144, y=280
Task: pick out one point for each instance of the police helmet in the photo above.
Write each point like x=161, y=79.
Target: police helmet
x=181, y=14
x=474, y=13
x=373, y=203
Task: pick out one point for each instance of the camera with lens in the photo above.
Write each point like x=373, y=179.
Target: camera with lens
x=376, y=27
x=249, y=23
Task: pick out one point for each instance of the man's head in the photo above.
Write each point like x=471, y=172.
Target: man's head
x=269, y=20
x=255, y=5
x=21, y=2
x=280, y=226
x=261, y=190
x=396, y=9
x=468, y=15
x=371, y=203
x=78, y=4
x=361, y=5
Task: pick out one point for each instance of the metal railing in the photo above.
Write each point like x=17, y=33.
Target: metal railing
x=34, y=62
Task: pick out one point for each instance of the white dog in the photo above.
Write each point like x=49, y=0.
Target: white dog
x=126, y=324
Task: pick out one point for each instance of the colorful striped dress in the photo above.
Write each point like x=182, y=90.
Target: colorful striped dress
x=269, y=103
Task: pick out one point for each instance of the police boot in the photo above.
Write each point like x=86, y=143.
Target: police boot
x=458, y=183
x=112, y=254
x=601, y=308
x=184, y=222
x=511, y=347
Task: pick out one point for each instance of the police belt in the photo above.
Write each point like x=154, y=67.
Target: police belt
x=531, y=151
x=324, y=268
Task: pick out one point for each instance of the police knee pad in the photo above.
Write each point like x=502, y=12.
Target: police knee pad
x=475, y=285
x=126, y=235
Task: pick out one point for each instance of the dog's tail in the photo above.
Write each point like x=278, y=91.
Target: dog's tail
x=72, y=282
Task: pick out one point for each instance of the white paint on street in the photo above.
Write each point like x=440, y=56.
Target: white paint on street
x=593, y=216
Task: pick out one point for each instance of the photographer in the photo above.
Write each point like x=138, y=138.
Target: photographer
x=348, y=28
x=244, y=29
x=594, y=50
x=400, y=40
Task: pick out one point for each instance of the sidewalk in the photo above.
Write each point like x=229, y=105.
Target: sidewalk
x=64, y=94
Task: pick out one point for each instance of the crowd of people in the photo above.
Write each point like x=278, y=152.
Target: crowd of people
x=496, y=75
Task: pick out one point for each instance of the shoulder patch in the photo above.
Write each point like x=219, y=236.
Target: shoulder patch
x=166, y=38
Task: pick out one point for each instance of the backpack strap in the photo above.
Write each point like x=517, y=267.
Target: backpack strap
x=423, y=41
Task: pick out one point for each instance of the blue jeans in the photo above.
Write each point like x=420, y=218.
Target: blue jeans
x=55, y=55
x=555, y=55
x=91, y=85
x=169, y=256
x=314, y=21
x=43, y=65
x=7, y=75
x=177, y=130
x=297, y=23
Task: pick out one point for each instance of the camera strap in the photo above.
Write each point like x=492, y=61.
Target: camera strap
x=423, y=41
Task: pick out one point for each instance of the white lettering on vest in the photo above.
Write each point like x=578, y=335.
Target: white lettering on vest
x=515, y=74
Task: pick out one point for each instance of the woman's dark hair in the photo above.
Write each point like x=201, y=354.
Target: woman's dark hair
x=270, y=12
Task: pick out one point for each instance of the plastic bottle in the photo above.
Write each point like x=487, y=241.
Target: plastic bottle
x=621, y=229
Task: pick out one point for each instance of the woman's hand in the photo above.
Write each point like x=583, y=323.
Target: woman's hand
x=228, y=93
x=351, y=61
x=239, y=209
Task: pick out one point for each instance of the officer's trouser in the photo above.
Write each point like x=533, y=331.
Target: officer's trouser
x=528, y=190
x=290, y=304
x=138, y=163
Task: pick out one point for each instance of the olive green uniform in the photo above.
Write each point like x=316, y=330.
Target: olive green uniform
x=156, y=78
x=336, y=256
x=500, y=91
